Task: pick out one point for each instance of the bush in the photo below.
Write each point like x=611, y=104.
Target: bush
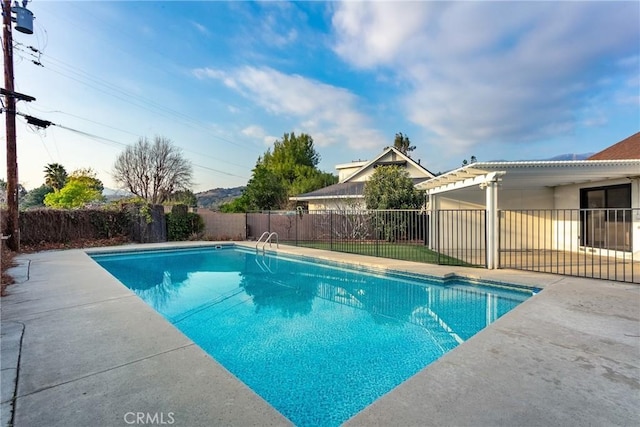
x=63, y=226
x=183, y=225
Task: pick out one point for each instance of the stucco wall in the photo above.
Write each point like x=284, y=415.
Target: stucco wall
x=541, y=218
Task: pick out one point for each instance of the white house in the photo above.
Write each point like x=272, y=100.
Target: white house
x=349, y=191
x=585, y=205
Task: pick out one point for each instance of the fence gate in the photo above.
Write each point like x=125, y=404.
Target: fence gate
x=460, y=237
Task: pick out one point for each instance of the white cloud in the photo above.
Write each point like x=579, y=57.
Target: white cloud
x=494, y=71
x=254, y=131
x=328, y=113
x=371, y=33
x=201, y=28
x=269, y=140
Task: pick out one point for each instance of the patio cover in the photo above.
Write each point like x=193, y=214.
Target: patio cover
x=496, y=176
x=532, y=174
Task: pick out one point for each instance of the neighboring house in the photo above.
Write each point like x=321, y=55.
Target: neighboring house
x=349, y=191
x=628, y=148
x=584, y=205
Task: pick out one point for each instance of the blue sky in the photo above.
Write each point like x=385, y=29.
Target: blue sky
x=223, y=80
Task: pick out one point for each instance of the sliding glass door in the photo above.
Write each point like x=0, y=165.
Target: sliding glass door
x=605, y=219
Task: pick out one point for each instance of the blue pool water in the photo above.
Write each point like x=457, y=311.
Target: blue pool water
x=318, y=342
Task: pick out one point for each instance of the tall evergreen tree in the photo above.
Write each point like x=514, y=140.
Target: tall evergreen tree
x=289, y=169
x=403, y=144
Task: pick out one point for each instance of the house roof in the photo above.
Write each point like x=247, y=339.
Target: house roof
x=342, y=190
x=535, y=174
x=349, y=189
x=628, y=148
x=403, y=159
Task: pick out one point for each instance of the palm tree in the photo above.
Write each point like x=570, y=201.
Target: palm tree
x=55, y=176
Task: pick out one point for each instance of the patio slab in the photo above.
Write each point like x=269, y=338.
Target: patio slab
x=93, y=354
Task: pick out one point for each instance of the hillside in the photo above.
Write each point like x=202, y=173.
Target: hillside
x=212, y=199
x=561, y=157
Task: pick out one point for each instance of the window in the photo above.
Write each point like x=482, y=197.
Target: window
x=605, y=219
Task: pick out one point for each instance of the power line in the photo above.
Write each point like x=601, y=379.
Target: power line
x=137, y=135
x=101, y=138
x=167, y=111
x=136, y=100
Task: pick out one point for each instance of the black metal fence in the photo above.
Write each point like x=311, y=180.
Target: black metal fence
x=461, y=234
x=595, y=243
x=456, y=238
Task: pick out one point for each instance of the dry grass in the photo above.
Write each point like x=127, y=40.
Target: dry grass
x=76, y=244
x=6, y=262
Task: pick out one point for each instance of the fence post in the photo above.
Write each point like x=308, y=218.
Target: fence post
x=437, y=233
x=269, y=221
x=330, y=230
x=377, y=232
x=500, y=224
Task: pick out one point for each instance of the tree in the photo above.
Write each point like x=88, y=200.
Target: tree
x=390, y=187
x=470, y=162
x=183, y=197
x=35, y=197
x=240, y=204
x=55, y=176
x=290, y=169
x=88, y=177
x=76, y=193
x=153, y=171
x=403, y=144
x=21, y=190
x=265, y=190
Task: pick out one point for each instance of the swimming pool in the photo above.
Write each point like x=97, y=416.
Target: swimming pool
x=318, y=342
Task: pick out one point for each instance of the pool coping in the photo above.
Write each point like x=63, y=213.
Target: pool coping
x=545, y=362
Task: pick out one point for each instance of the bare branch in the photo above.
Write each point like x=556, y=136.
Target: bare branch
x=153, y=171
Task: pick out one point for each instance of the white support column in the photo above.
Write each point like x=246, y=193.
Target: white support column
x=491, y=191
x=433, y=211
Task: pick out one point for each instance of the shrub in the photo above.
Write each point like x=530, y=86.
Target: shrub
x=183, y=225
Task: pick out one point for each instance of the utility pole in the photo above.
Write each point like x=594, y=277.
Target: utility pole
x=12, y=227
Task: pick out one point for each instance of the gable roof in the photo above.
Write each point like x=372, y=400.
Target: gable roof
x=350, y=189
x=628, y=148
x=403, y=160
x=341, y=190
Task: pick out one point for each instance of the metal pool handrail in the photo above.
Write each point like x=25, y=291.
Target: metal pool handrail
x=266, y=233
x=269, y=241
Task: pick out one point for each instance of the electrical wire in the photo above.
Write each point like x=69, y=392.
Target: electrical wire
x=169, y=112
x=67, y=70
x=137, y=135
x=37, y=55
x=99, y=138
x=126, y=100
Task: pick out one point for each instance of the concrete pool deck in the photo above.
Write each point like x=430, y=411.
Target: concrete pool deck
x=78, y=348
